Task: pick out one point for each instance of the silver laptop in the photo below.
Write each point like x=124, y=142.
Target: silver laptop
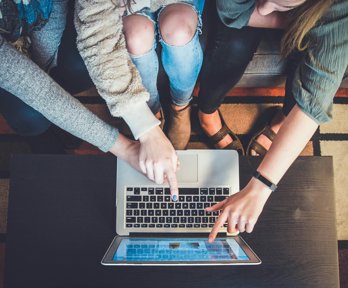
x=154, y=230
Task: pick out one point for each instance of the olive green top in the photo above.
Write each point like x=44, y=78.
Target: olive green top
x=324, y=62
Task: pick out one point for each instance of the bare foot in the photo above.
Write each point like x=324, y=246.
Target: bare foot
x=275, y=125
x=211, y=124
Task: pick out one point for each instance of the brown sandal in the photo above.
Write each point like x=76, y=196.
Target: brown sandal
x=236, y=144
x=256, y=146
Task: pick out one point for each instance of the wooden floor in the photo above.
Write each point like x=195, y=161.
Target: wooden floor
x=240, y=100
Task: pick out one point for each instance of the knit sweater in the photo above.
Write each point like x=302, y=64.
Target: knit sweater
x=102, y=45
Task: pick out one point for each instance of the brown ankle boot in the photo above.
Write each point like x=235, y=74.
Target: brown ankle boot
x=179, y=127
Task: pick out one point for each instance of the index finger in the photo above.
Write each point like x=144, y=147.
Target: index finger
x=219, y=222
x=173, y=185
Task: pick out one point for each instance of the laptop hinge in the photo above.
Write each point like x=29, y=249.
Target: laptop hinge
x=181, y=235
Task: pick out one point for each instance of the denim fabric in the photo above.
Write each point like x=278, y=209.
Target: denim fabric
x=45, y=42
x=181, y=63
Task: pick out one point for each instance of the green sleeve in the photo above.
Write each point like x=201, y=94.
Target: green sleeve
x=322, y=67
x=235, y=13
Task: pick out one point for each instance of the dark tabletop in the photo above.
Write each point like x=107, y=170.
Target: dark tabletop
x=62, y=219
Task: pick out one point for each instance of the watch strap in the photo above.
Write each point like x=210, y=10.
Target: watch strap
x=265, y=181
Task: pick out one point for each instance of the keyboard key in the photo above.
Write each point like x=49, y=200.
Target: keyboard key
x=194, y=212
x=218, y=191
x=136, y=191
x=166, y=225
x=132, y=205
x=219, y=198
x=140, y=220
x=151, y=212
x=151, y=191
x=196, y=225
x=143, y=189
x=129, y=212
x=143, y=225
x=170, y=205
x=174, y=225
x=143, y=213
x=183, y=219
x=133, y=198
x=226, y=191
x=172, y=212
x=159, y=198
x=184, y=205
x=167, y=198
x=167, y=191
x=158, y=213
x=153, y=198
x=156, y=205
x=148, y=205
x=146, y=198
x=188, y=191
x=188, y=198
x=129, y=189
x=161, y=220
x=159, y=191
x=182, y=198
x=195, y=198
x=180, y=212
x=211, y=191
x=204, y=191
x=141, y=205
x=165, y=212
x=163, y=205
x=152, y=225
x=130, y=219
x=129, y=225
x=136, y=212
x=181, y=225
x=192, y=205
x=159, y=225
x=147, y=219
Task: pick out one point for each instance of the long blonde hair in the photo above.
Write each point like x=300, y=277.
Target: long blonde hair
x=303, y=19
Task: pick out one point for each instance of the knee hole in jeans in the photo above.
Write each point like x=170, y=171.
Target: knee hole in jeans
x=178, y=24
x=139, y=33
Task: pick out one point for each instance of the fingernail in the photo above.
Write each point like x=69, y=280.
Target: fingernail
x=174, y=197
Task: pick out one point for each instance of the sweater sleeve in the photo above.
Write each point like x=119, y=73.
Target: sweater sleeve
x=235, y=13
x=25, y=80
x=324, y=62
x=102, y=45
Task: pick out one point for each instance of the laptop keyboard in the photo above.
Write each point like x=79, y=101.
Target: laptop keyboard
x=149, y=207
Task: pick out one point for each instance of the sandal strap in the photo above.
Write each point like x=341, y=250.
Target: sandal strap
x=268, y=132
x=257, y=147
x=218, y=136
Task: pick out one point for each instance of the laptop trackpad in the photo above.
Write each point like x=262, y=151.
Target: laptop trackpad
x=188, y=172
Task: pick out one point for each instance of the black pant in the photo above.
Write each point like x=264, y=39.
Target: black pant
x=228, y=53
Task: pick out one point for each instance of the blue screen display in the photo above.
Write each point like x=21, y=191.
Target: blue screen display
x=178, y=249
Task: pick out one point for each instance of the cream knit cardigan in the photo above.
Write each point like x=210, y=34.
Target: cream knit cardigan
x=102, y=45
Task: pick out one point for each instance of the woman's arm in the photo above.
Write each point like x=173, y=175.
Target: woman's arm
x=243, y=208
x=27, y=81
x=102, y=46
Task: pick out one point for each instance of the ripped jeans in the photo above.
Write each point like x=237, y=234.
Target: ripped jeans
x=182, y=64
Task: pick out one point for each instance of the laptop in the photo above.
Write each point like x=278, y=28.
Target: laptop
x=153, y=230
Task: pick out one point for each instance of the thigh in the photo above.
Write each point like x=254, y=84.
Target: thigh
x=46, y=41
x=24, y=119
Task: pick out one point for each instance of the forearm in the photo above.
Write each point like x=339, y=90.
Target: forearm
x=102, y=45
x=24, y=79
x=291, y=139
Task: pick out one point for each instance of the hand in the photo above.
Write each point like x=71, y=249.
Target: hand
x=240, y=210
x=158, y=160
x=127, y=150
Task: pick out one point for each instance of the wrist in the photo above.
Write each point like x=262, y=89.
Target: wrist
x=258, y=188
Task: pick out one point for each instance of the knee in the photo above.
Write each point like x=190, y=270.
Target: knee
x=178, y=24
x=139, y=33
x=29, y=122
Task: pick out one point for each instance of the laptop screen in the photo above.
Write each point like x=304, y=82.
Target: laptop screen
x=178, y=249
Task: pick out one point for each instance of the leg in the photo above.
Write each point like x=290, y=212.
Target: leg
x=227, y=57
x=280, y=116
x=46, y=41
x=182, y=54
x=25, y=120
x=139, y=32
x=182, y=57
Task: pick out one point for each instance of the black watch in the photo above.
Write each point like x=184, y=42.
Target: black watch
x=265, y=181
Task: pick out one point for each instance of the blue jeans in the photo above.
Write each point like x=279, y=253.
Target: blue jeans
x=45, y=42
x=181, y=63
